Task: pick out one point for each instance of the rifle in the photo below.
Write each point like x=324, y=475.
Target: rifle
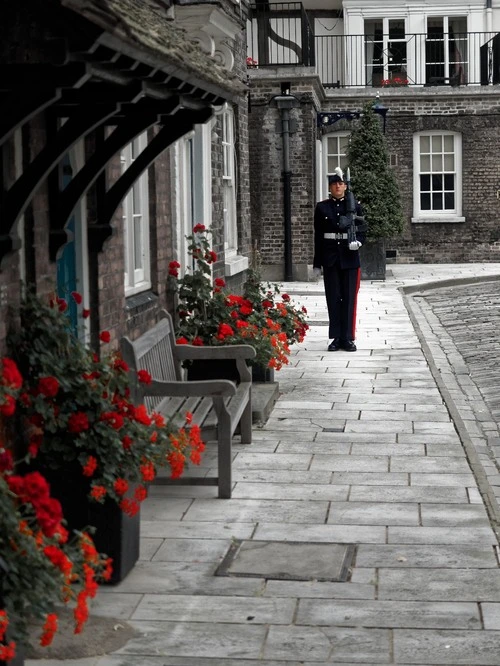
x=348, y=221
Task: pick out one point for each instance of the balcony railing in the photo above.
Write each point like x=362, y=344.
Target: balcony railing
x=417, y=60
x=280, y=34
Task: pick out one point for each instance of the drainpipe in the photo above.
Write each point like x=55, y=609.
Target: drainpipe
x=287, y=126
x=489, y=29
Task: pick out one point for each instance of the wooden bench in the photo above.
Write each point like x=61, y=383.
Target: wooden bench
x=218, y=406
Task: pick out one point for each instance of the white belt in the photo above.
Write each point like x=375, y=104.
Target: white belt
x=336, y=236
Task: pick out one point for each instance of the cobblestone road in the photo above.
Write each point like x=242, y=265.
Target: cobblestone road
x=460, y=330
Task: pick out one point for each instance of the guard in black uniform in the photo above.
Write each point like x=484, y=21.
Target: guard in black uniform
x=340, y=262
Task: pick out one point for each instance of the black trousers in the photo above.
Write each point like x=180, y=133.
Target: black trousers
x=341, y=291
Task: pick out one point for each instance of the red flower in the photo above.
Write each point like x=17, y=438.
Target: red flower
x=105, y=336
x=8, y=407
x=285, y=297
x=98, y=492
x=63, y=306
x=141, y=415
x=90, y=466
x=58, y=559
x=78, y=422
x=144, y=377
x=129, y=507
x=245, y=310
x=182, y=341
x=120, y=486
x=198, y=228
x=197, y=342
x=77, y=297
x=127, y=442
x=85, y=313
x=147, y=472
x=49, y=629
x=224, y=331
x=119, y=364
x=34, y=445
x=113, y=419
x=211, y=257
x=48, y=386
x=10, y=374
x=267, y=304
x=140, y=493
x=219, y=282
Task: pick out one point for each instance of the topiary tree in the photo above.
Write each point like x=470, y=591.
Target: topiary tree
x=373, y=182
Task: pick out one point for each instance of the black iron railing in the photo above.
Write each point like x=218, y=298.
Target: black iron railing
x=279, y=34
x=449, y=59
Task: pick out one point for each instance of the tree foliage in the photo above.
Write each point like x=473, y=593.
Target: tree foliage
x=372, y=180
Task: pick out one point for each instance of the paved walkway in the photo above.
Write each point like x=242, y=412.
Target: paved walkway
x=373, y=449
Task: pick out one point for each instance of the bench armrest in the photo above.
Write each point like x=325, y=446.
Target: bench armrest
x=208, y=387
x=190, y=352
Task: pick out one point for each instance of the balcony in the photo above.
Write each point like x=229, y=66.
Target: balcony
x=281, y=34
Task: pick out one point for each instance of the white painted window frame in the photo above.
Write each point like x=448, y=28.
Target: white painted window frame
x=136, y=279
x=229, y=182
x=437, y=216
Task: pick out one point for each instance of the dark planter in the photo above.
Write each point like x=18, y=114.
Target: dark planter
x=262, y=374
x=116, y=534
x=373, y=260
x=212, y=369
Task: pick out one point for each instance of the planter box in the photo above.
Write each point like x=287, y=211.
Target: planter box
x=116, y=534
x=373, y=260
x=226, y=370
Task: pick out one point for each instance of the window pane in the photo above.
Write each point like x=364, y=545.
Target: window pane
x=449, y=181
x=437, y=163
x=137, y=243
x=343, y=143
x=425, y=201
x=449, y=163
x=396, y=29
x=135, y=148
x=136, y=196
x=448, y=144
x=437, y=182
x=449, y=200
x=437, y=201
x=332, y=163
x=425, y=183
x=425, y=144
x=425, y=163
x=437, y=144
x=332, y=144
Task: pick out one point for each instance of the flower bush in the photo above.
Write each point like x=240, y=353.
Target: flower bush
x=394, y=82
x=209, y=315
x=76, y=411
x=251, y=62
x=41, y=564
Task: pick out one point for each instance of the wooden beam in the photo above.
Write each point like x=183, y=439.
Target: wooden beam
x=180, y=124
x=23, y=105
x=18, y=197
x=88, y=174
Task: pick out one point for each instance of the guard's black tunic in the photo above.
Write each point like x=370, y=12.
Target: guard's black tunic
x=341, y=267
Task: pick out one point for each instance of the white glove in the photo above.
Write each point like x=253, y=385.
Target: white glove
x=354, y=245
x=317, y=273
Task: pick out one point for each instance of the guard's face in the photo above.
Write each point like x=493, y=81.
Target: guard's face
x=337, y=189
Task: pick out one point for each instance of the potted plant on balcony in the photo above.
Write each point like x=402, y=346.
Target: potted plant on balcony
x=42, y=565
x=80, y=429
x=375, y=185
x=208, y=315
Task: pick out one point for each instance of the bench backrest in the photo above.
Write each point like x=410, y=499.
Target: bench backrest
x=152, y=351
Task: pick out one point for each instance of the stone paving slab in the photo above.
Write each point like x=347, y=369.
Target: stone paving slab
x=447, y=647
x=400, y=614
x=425, y=556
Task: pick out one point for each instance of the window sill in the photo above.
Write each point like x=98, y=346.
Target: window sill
x=140, y=301
x=234, y=264
x=438, y=219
